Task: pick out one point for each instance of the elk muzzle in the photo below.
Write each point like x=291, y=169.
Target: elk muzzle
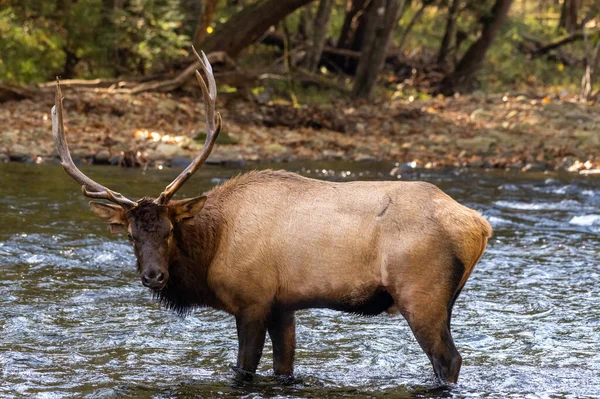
x=154, y=279
x=154, y=270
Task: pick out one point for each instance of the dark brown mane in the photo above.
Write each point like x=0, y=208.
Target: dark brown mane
x=195, y=243
x=174, y=298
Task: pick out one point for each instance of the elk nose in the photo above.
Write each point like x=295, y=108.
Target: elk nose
x=153, y=279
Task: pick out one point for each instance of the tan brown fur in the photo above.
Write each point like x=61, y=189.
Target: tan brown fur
x=256, y=207
x=268, y=243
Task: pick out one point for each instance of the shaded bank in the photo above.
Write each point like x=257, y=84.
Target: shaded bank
x=477, y=131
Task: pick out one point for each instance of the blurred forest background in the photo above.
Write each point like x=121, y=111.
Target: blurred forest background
x=293, y=61
x=431, y=45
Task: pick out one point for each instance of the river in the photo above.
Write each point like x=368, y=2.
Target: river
x=75, y=320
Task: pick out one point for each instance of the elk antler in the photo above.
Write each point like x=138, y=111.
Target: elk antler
x=89, y=187
x=213, y=126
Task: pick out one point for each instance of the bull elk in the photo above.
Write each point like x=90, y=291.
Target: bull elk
x=268, y=243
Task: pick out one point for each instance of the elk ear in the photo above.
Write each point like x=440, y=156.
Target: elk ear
x=111, y=214
x=187, y=208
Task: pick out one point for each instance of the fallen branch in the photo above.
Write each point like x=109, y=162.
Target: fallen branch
x=542, y=49
x=80, y=83
x=119, y=86
x=305, y=78
x=558, y=43
x=178, y=81
x=276, y=40
x=327, y=50
x=9, y=92
x=534, y=47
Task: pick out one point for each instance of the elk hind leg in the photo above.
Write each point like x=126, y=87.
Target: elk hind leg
x=428, y=319
x=425, y=297
x=282, y=330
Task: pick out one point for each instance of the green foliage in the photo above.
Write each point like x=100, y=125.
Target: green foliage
x=29, y=50
x=93, y=38
x=87, y=38
x=146, y=36
x=337, y=19
x=506, y=67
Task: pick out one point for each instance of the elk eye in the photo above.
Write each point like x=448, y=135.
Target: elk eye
x=129, y=236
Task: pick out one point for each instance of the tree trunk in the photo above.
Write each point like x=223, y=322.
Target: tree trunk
x=210, y=7
x=382, y=17
x=450, y=33
x=413, y=21
x=122, y=51
x=562, y=22
x=191, y=11
x=572, y=11
x=352, y=34
x=319, y=34
x=306, y=24
x=568, y=15
x=354, y=13
x=288, y=64
x=471, y=61
x=591, y=67
x=71, y=61
x=108, y=12
x=248, y=25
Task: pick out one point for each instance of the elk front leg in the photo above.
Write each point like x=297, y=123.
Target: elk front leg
x=282, y=330
x=251, y=338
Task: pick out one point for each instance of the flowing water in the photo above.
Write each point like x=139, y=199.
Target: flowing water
x=75, y=320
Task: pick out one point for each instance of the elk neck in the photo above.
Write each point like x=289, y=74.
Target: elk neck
x=191, y=253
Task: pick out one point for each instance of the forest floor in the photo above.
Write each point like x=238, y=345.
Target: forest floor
x=477, y=130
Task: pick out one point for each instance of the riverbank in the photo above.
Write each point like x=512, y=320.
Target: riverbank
x=156, y=130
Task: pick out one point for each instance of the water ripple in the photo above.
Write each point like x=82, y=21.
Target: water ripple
x=75, y=321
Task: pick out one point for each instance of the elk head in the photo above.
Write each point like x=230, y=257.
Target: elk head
x=149, y=222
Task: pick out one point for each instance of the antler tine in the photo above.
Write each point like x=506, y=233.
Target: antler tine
x=209, y=72
x=89, y=187
x=213, y=127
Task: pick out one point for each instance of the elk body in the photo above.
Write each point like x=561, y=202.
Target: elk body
x=268, y=243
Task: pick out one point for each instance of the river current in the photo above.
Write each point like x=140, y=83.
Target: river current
x=76, y=322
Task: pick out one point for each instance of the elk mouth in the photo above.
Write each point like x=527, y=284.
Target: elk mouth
x=155, y=287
